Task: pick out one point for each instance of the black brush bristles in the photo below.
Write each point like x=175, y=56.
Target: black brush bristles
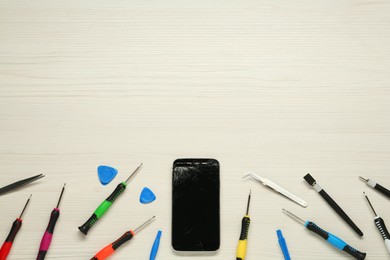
x=309, y=179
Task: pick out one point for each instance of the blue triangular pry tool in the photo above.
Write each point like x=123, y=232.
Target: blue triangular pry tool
x=106, y=174
x=147, y=196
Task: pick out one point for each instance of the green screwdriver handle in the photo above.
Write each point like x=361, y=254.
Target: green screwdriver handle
x=103, y=208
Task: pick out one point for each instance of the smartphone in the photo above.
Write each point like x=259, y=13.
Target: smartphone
x=195, y=205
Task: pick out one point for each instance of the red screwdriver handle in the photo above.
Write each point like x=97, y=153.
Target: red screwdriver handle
x=6, y=248
x=110, y=249
x=48, y=235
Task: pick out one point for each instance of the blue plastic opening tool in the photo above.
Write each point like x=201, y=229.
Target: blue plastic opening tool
x=147, y=196
x=332, y=239
x=376, y=186
x=106, y=174
x=156, y=244
x=380, y=224
x=283, y=245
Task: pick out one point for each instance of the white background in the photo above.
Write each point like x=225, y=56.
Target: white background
x=280, y=88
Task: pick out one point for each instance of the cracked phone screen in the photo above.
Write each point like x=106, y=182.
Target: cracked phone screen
x=195, y=205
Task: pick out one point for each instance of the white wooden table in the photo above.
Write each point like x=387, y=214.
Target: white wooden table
x=280, y=88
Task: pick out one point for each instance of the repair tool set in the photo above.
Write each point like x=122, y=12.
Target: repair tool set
x=106, y=174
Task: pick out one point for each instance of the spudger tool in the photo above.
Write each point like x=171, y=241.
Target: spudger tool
x=283, y=245
x=331, y=239
x=380, y=224
x=376, y=186
x=277, y=188
x=156, y=244
x=332, y=203
x=48, y=235
x=107, y=203
x=111, y=248
x=6, y=248
x=20, y=183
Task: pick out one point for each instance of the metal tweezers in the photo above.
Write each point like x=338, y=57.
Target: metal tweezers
x=20, y=183
x=277, y=188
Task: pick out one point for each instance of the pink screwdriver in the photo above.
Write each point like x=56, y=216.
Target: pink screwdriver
x=48, y=235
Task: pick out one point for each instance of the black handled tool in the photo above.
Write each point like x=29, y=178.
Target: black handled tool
x=380, y=224
x=6, y=248
x=332, y=203
x=106, y=204
x=376, y=186
x=330, y=238
x=242, y=242
x=20, y=183
x=48, y=235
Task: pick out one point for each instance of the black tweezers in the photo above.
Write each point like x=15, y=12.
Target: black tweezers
x=21, y=183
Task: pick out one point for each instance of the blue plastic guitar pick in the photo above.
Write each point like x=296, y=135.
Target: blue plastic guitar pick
x=147, y=196
x=106, y=174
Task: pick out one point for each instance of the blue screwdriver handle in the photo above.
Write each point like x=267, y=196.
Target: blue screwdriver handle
x=335, y=241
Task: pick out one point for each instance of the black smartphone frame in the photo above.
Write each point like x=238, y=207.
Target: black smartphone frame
x=196, y=205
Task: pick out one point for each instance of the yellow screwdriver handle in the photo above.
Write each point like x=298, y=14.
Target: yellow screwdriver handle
x=242, y=242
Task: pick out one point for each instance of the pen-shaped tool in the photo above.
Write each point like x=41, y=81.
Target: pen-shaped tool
x=376, y=186
x=242, y=242
x=6, y=248
x=110, y=249
x=48, y=235
x=380, y=224
x=20, y=183
x=331, y=239
x=277, y=188
x=332, y=203
x=107, y=203
x=283, y=245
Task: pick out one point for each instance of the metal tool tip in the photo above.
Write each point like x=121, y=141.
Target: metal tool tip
x=363, y=179
x=30, y=196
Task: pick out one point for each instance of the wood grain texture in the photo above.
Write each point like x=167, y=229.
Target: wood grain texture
x=281, y=88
